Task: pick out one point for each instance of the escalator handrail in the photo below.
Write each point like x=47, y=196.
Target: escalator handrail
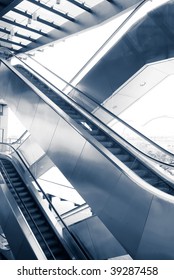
x=20, y=138
x=49, y=201
x=103, y=108
x=7, y=176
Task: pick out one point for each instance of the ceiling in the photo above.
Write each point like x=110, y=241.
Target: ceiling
x=144, y=81
x=30, y=24
x=4, y=3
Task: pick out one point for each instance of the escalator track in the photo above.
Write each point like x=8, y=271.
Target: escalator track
x=42, y=230
x=116, y=148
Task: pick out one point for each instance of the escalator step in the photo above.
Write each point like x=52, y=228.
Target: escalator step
x=44, y=229
x=13, y=174
x=151, y=180
x=27, y=200
x=141, y=172
x=40, y=222
x=161, y=185
x=20, y=189
x=23, y=194
x=115, y=151
x=75, y=116
x=36, y=216
x=107, y=144
x=94, y=132
x=100, y=137
x=16, y=184
x=15, y=179
x=123, y=157
x=129, y=164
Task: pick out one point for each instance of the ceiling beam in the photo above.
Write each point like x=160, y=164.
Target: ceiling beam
x=9, y=7
x=101, y=12
x=51, y=9
x=12, y=42
x=16, y=34
x=39, y=19
x=2, y=52
x=81, y=5
x=15, y=23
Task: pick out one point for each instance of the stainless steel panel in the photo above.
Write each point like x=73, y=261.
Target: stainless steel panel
x=44, y=124
x=126, y=212
x=31, y=151
x=25, y=108
x=15, y=88
x=66, y=147
x=157, y=239
x=112, y=196
x=4, y=74
x=95, y=177
x=97, y=239
x=17, y=94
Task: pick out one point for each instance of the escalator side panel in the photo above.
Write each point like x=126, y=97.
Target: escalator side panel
x=158, y=244
x=92, y=233
x=22, y=242
x=47, y=120
x=12, y=89
x=118, y=201
x=65, y=148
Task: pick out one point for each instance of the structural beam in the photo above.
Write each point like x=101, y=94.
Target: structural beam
x=15, y=23
x=80, y=5
x=12, y=42
x=51, y=9
x=9, y=7
x=16, y=34
x=39, y=19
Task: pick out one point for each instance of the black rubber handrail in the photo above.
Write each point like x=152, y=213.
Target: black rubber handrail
x=49, y=202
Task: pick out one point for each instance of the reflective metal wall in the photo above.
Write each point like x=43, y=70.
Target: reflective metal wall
x=97, y=239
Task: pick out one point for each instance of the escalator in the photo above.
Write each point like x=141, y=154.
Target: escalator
x=112, y=175
x=39, y=225
x=116, y=148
